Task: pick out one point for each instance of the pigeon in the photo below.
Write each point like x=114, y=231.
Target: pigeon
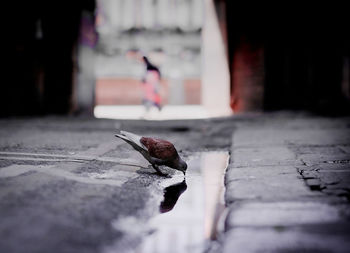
x=158, y=152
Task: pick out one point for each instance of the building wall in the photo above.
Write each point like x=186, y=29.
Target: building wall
x=288, y=56
x=126, y=91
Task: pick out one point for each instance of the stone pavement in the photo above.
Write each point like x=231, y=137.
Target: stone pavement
x=288, y=185
x=65, y=182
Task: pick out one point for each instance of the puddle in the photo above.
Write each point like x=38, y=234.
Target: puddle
x=189, y=212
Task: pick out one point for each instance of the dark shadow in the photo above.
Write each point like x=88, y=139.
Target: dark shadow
x=171, y=195
x=180, y=129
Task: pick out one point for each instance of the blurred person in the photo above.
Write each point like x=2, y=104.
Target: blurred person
x=86, y=80
x=151, y=86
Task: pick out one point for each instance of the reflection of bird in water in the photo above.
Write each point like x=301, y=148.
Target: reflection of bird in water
x=158, y=152
x=171, y=195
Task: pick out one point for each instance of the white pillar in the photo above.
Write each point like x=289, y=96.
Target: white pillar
x=215, y=70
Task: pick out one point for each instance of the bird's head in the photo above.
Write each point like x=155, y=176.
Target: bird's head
x=182, y=166
x=178, y=164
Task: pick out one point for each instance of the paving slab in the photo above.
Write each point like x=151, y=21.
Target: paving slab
x=257, y=156
x=283, y=240
x=287, y=213
x=287, y=185
x=266, y=183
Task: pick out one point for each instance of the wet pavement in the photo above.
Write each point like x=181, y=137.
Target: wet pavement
x=186, y=222
x=67, y=185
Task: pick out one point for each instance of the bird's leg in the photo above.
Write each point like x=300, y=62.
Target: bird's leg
x=158, y=170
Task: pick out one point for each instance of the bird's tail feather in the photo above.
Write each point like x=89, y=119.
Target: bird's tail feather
x=130, y=137
x=121, y=137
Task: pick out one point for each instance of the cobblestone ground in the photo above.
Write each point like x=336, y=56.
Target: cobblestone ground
x=288, y=185
x=62, y=186
x=64, y=183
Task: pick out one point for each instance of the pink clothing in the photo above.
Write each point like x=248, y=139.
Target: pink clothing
x=151, y=87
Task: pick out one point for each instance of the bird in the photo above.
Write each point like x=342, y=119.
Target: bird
x=157, y=152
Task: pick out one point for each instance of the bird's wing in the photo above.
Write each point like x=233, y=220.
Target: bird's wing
x=132, y=139
x=160, y=149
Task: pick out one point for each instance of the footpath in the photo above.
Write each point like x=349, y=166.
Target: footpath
x=288, y=185
x=65, y=181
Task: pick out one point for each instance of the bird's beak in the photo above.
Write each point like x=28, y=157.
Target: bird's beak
x=184, y=173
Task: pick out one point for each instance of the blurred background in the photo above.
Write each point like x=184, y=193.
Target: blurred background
x=169, y=34
x=215, y=57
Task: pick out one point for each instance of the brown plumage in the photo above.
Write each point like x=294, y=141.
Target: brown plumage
x=160, y=149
